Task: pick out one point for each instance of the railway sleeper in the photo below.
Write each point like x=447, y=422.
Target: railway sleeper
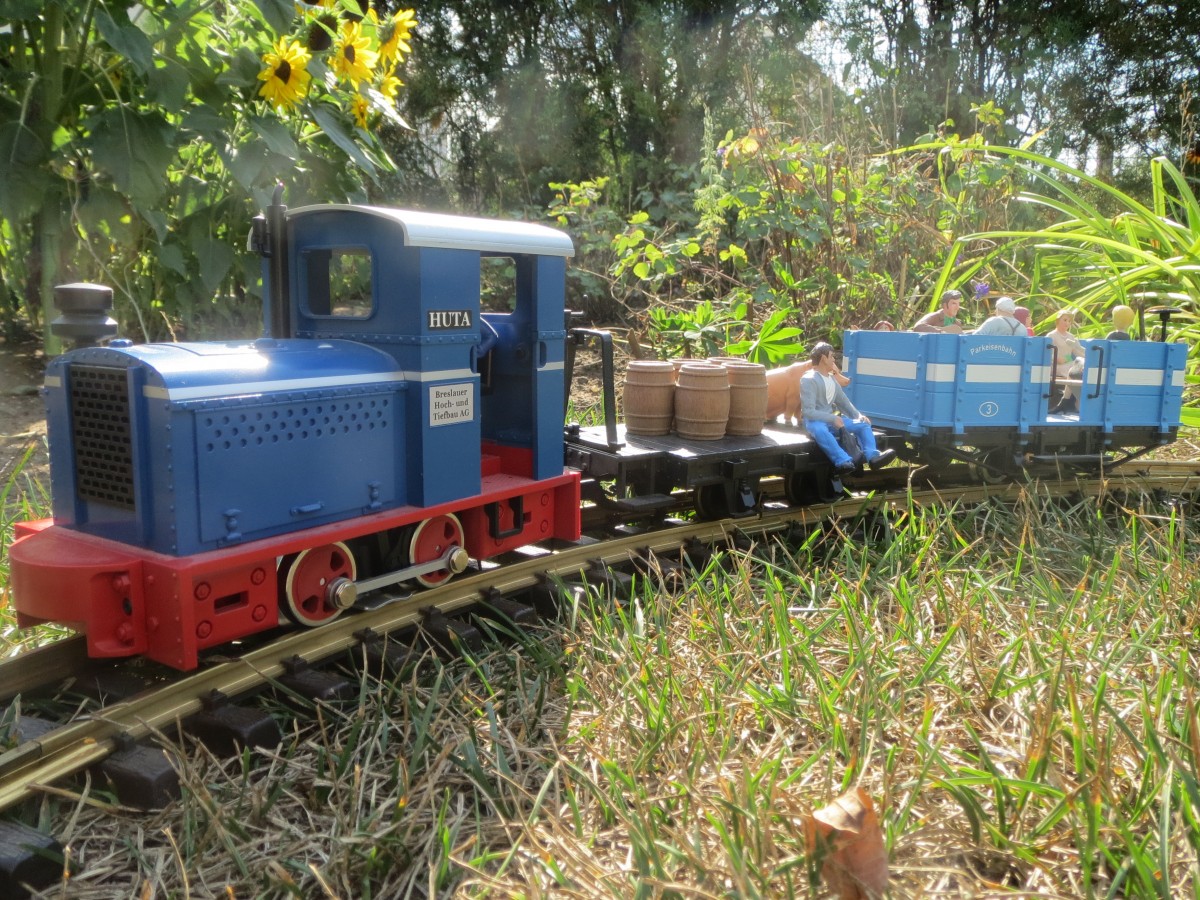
x=449, y=635
x=617, y=583
x=507, y=611
x=142, y=776
x=29, y=859
x=383, y=656
x=302, y=682
x=225, y=727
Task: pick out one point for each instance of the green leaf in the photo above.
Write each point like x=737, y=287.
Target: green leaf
x=333, y=128
x=277, y=13
x=128, y=41
x=170, y=256
x=248, y=163
x=1190, y=416
x=243, y=69
x=22, y=10
x=387, y=107
x=134, y=149
x=203, y=120
x=215, y=258
x=157, y=221
x=642, y=270
x=169, y=85
x=276, y=135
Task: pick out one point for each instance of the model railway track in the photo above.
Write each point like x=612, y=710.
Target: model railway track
x=27, y=769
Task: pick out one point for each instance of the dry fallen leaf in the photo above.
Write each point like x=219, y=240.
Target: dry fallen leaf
x=847, y=840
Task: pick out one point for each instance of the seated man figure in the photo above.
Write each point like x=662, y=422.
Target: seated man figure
x=944, y=319
x=820, y=396
x=783, y=390
x=1004, y=322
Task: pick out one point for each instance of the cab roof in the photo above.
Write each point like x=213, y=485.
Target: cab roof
x=426, y=229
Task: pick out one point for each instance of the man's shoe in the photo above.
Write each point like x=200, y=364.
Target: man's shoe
x=846, y=468
x=883, y=458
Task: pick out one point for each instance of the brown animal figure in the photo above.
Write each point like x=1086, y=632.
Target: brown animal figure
x=783, y=390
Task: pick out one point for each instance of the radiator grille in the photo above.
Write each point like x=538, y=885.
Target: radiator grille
x=100, y=433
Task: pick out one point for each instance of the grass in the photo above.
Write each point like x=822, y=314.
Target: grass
x=1012, y=685
x=22, y=498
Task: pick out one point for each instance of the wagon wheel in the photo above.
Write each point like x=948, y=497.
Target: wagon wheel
x=802, y=488
x=711, y=502
x=318, y=584
x=935, y=457
x=430, y=540
x=994, y=466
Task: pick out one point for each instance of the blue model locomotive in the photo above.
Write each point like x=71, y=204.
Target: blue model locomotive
x=387, y=430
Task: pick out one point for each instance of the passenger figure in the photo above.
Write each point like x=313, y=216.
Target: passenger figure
x=827, y=410
x=1021, y=314
x=1004, y=322
x=1070, y=358
x=944, y=319
x=1122, y=319
x=783, y=390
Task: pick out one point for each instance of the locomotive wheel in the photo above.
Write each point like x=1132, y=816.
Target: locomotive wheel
x=319, y=584
x=430, y=540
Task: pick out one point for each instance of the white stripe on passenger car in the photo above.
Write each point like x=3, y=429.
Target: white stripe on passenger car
x=1139, y=377
x=943, y=373
x=981, y=373
x=886, y=368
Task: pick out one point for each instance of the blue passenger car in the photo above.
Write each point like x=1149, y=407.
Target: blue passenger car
x=987, y=399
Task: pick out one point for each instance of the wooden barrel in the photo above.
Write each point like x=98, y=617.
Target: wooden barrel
x=702, y=402
x=681, y=361
x=648, y=397
x=747, y=397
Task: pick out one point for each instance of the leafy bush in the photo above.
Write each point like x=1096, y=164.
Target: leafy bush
x=797, y=240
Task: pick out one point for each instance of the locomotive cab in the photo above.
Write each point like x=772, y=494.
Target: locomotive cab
x=409, y=284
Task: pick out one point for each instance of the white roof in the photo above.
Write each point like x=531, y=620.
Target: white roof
x=426, y=229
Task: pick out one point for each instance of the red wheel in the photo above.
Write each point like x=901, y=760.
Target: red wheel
x=430, y=541
x=319, y=581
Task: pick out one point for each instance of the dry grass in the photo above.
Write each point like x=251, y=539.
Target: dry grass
x=1014, y=688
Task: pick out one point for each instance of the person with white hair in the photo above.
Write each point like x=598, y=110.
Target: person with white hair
x=1005, y=321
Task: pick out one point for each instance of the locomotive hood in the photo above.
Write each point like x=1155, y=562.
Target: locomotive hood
x=198, y=372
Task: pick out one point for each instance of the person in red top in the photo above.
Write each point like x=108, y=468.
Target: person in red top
x=1022, y=315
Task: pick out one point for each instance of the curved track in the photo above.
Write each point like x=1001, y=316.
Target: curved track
x=165, y=700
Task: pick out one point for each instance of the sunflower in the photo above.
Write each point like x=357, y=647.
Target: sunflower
x=321, y=31
x=390, y=85
x=395, y=34
x=352, y=59
x=285, y=74
x=360, y=107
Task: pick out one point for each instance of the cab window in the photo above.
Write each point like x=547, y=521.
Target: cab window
x=339, y=282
